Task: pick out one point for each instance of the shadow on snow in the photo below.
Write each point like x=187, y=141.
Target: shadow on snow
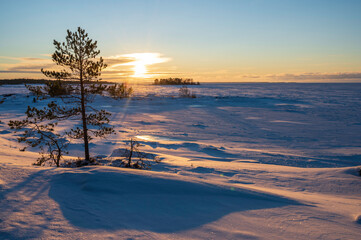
x=119, y=199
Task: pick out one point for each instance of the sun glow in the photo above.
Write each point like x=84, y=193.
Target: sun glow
x=141, y=61
x=140, y=70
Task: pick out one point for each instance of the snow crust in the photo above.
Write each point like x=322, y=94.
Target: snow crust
x=240, y=161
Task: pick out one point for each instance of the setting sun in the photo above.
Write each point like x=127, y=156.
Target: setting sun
x=141, y=61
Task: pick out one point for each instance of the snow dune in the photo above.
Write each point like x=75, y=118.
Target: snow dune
x=130, y=199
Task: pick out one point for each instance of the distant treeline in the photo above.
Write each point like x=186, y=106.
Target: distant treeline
x=33, y=81
x=175, y=81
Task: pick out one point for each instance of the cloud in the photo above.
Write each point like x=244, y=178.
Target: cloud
x=250, y=76
x=137, y=63
x=341, y=76
x=23, y=71
x=133, y=58
x=25, y=65
x=304, y=77
x=234, y=76
x=149, y=65
x=31, y=67
x=32, y=59
x=115, y=61
x=125, y=65
x=24, y=59
x=105, y=71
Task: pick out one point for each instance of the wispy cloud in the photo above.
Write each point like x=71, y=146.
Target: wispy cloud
x=25, y=64
x=340, y=76
x=119, y=66
x=149, y=65
x=303, y=77
x=112, y=61
x=138, y=62
x=22, y=71
x=234, y=76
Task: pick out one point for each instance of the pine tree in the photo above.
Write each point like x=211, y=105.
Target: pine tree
x=78, y=57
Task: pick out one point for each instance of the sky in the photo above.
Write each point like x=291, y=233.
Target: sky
x=209, y=41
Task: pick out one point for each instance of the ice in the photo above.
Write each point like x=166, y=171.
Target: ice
x=240, y=161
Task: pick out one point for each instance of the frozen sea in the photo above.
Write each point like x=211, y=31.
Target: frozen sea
x=239, y=161
x=307, y=125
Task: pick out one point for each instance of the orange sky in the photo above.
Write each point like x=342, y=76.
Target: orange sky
x=209, y=41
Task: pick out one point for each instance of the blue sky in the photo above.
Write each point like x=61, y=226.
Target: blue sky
x=244, y=40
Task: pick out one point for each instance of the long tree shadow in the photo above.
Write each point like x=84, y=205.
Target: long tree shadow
x=25, y=200
x=119, y=199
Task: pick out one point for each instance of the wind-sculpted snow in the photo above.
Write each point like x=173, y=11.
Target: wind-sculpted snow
x=116, y=199
x=240, y=161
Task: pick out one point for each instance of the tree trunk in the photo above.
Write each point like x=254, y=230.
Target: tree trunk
x=83, y=116
x=58, y=156
x=58, y=159
x=130, y=153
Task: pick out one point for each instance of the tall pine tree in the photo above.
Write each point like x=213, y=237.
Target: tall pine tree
x=78, y=57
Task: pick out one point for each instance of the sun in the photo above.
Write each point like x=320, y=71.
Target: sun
x=140, y=70
x=141, y=61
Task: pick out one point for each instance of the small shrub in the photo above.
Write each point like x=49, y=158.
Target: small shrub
x=36, y=90
x=51, y=88
x=97, y=88
x=57, y=88
x=184, y=92
x=120, y=91
x=137, y=159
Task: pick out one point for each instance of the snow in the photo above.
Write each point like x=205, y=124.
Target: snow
x=240, y=161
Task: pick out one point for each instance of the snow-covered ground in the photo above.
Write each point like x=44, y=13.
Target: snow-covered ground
x=240, y=161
